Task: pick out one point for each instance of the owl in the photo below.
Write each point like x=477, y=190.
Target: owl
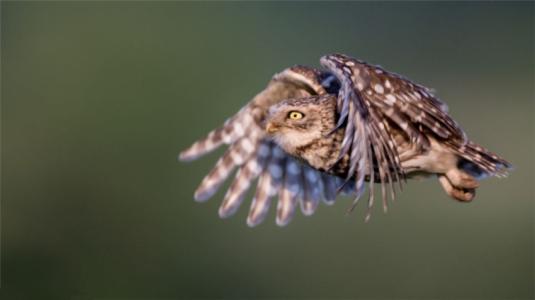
x=313, y=134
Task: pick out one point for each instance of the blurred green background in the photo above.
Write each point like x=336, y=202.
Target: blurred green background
x=98, y=98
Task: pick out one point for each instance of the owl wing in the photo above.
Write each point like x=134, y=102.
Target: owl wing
x=368, y=97
x=256, y=156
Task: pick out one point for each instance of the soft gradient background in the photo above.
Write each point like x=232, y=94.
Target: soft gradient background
x=99, y=98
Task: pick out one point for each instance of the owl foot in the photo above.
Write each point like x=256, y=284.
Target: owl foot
x=461, y=179
x=460, y=193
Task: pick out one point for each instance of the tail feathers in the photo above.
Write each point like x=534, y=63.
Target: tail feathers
x=480, y=162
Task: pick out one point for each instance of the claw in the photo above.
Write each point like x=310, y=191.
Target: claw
x=461, y=194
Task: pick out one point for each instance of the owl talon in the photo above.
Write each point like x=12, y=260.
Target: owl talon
x=458, y=193
x=463, y=195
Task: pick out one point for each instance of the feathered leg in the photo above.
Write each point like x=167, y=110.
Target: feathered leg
x=461, y=179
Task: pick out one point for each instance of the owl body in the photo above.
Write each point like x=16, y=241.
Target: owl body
x=320, y=151
x=312, y=134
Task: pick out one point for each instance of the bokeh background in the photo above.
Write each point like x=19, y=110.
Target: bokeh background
x=98, y=98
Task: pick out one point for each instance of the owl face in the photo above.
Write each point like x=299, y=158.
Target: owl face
x=295, y=123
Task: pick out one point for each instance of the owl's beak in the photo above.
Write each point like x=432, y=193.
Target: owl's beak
x=271, y=128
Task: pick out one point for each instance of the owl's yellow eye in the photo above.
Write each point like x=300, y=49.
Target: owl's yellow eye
x=295, y=115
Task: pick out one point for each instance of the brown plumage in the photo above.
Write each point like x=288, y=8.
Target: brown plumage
x=312, y=133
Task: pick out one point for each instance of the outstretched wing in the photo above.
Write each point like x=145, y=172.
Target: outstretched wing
x=255, y=156
x=368, y=98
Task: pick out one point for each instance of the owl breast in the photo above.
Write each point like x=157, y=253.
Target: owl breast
x=322, y=153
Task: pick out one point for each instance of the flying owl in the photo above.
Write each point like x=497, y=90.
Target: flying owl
x=312, y=134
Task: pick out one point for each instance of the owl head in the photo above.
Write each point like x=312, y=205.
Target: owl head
x=296, y=123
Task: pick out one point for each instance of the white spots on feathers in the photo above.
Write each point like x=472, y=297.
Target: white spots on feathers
x=390, y=99
x=379, y=88
x=247, y=145
x=237, y=157
x=238, y=129
x=227, y=137
x=420, y=117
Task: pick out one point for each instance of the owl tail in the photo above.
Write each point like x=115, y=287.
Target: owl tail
x=480, y=162
x=475, y=163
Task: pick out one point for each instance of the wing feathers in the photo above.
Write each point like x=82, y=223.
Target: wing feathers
x=261, y=200
x=374, y=95
x=255, y=156
x=370, y=103
x=311, y=190
x=268, y=185
x=289, y=192
x=329, y=188
x=244, y=177
x=231, y=130
x=235, y=155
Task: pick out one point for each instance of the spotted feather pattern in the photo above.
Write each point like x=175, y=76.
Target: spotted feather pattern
x=311, y=190
x=481, y=163
x=258, y=159
x=372, y=105
x=369, y=95
x=231, y=130
x=364, y=131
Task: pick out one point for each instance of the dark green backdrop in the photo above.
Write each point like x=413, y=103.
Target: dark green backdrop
x=98, y=98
